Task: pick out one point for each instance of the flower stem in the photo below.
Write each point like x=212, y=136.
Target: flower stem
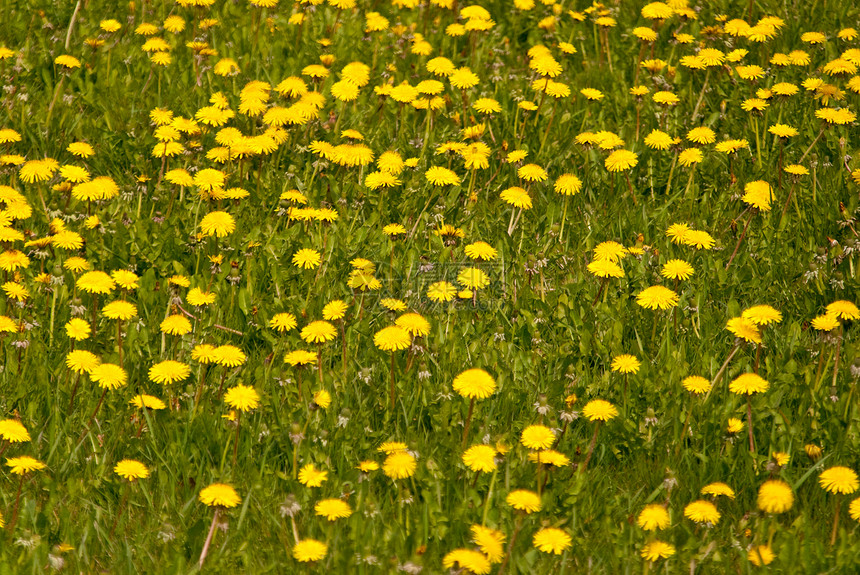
x=101, y=400
x=837, y=353
x=750, y=422
x=563, y=218
x=119, y=340
x=142, y=423
x=757, y=140
x=809, y=149
x=391, y=391
x=779, y=165
x=690, y=181
x=701, y=95
x=343, y=339
x=608, y=51
x=12, y=523
x=74, y=391
x=517, y=525
x=540, y=103
x=468, y=421
x=320, y=364
x=236, y=440
x=590, y=447
x=94, y=310
x=603, y=283
x=642, y=47
x=205, y=550
x=296, y=459
x=472, y=183
x=54, y=101
x=489, y=496
x=548, y=127
x=835, y=531
x=740, y=239
x=636, y=138
x=671, y=173
x=200, y=387
x=684, y=429
x=119, y=510
x=630, y=188
x=822, y=363
x=223, y=378
x=787, y=201
x=654, y=329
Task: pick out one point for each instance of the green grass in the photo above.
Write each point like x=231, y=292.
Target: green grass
x=534, y=328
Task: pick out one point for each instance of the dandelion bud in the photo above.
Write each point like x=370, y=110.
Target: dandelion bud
x=813, y=451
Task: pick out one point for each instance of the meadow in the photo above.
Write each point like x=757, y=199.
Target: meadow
x=429, y=287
